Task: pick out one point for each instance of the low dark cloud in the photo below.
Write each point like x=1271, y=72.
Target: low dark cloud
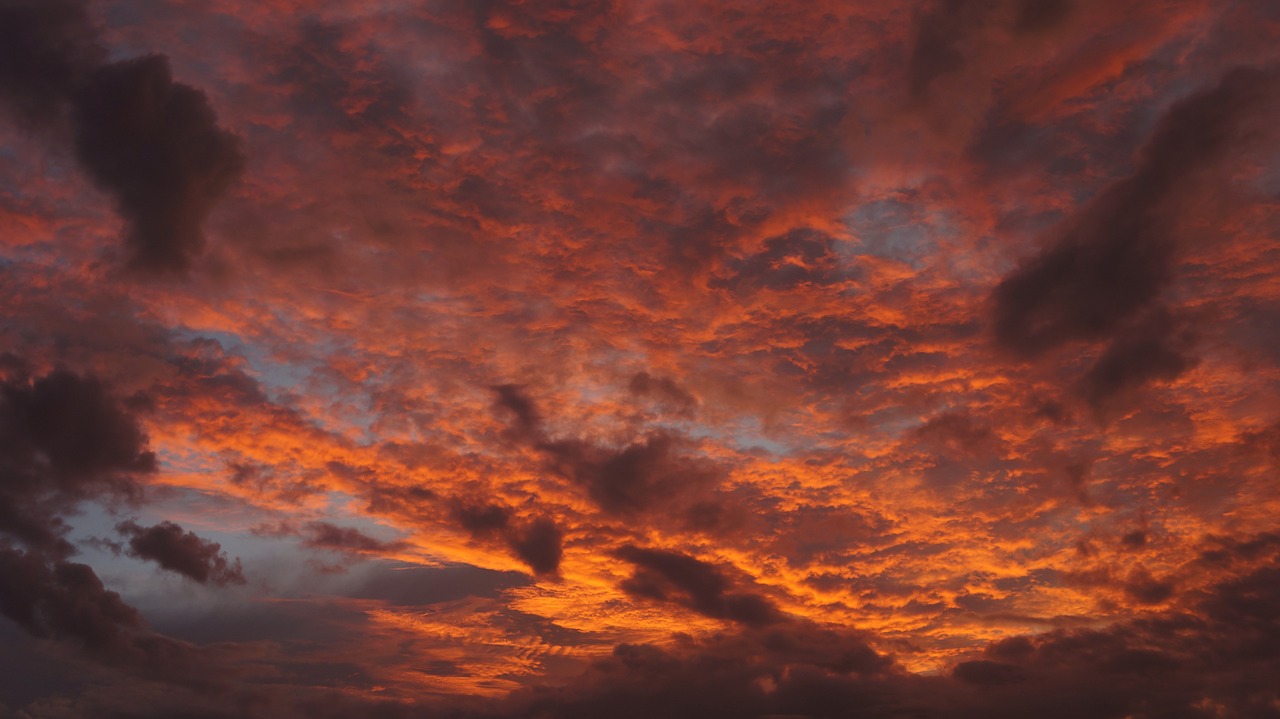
x=1155, y=348
x=665, y=391
x=323, y=535
x=627, y=480
x=512, y=398
x=1104, y=278
x=155, y=146
x=671, y=576
x=941, y=33
x=47, y=50
x=182, y=552
x=152, y=144
x=63, y=439
x=796, y=260
x=1040, y=15
x=630, y=479
x=63, y=600
x=538, y=543
x=1113, y=260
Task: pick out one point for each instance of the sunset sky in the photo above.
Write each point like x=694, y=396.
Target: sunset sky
x=567, y=359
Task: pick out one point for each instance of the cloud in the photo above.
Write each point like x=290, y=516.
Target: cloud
x=538, y=543
x=64, y=439
x=183, y=552
x=152, y=144
x=1154, y=348
x=621, y=481
x=324, y=535
x=1111, y=262
x=47, y=49
x=63, y=600
x=664, y=391
x=156, y=147
x=671, y=576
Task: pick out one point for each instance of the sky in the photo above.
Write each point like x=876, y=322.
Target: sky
x=486, y=359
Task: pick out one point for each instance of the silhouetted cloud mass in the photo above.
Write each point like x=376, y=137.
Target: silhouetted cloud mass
x=182, y=552
x=152, y=144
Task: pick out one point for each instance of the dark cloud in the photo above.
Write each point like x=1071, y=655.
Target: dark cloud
x=481, y=519
x=63, y=600
x=323, y=535
x=538, y=544
x=621, y=480
x=940, y=35
x=1142, y=587
x=663, y=390
x=958, y=434
x=1112, y=261
x=1136, y=539
x=182, y=552
x=986, y=672
x=512, y=398
x=156, y=147
x=630, y=479
x=47, y=49
x=333, y=77
x=1155, y=348
x=1215, y=657
x=1041, y=15
x=152, y=144
x=671, y=576
x=63, y=439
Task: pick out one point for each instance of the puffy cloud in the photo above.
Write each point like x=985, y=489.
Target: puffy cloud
x=64, y=439
x=152, y=144
x=182, y=552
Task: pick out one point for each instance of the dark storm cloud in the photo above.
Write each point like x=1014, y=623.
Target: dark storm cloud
x=1143, y=588
x=940, y=36
x=156, y=147
x=63, y=600
x=631, y=479
x=480, y=519
x=663, y=390
x=337, y=78
x=512, y=398
x=1154, y=348
x=63, y=439
x=1216, y=657
x=323, y=535
x=1114, y=259
x=671, y=576
x=47, y=49
x=623, y=480
x=152, y=144
x=182, y=552
x=538, y=543
x=1040, y=15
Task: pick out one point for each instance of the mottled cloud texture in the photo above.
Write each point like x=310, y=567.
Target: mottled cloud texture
x=639, y=359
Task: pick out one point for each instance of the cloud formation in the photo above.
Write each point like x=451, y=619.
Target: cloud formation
x=152, y=144
x=183, y=552
x=571, y=359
